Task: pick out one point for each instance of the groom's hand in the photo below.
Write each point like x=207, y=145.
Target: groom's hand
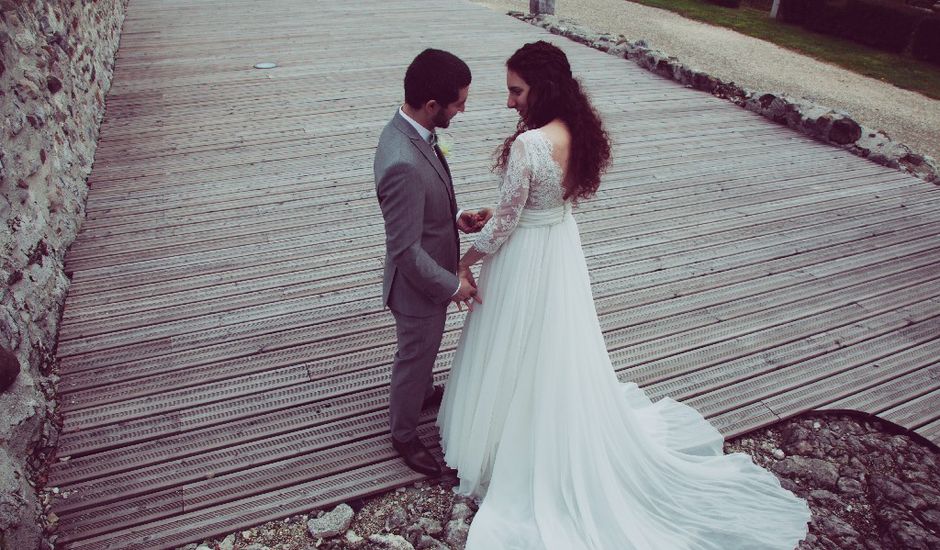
x=467, y=293
x=467, y=221
x=471, y=221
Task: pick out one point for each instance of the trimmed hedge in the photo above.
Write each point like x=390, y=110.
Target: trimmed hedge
x=826, y=17
x=885, y=26
x=926, y=44
x=793, y=11
x=879, y=26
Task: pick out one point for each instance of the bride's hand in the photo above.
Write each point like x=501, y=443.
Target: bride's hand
x=483, y=215
x=465, y=273
x=467, y=221
x=472, y=221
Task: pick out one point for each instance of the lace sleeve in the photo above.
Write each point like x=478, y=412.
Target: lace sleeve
x=513, y=194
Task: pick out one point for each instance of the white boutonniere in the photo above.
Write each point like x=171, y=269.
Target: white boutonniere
x=445, y=144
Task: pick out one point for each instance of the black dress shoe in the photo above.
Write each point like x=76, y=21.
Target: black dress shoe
x=434, y=400
x=417, y=457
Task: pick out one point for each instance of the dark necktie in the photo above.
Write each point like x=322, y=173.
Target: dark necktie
x=437, y=150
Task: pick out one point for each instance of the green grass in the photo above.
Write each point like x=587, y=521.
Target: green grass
x=902, y=71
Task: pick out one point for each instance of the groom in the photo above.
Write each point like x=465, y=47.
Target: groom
x=416, y=195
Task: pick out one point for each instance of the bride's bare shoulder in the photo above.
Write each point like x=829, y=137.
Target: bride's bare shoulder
x=557, y=132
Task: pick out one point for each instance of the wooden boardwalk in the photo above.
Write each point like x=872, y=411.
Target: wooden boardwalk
x=224, y=353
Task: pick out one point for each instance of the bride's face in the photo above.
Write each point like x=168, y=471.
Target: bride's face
x=518, y=93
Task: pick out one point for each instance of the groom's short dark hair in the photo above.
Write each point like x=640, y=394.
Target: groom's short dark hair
x=435, y=74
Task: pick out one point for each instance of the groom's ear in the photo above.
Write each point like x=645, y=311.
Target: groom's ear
x=431, y=106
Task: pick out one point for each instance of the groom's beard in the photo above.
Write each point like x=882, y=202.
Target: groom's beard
x=441, y=120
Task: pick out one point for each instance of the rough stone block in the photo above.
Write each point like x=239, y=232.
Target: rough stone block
x=331, y=524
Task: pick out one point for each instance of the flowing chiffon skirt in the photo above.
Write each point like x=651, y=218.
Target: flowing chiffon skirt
x=568, y=457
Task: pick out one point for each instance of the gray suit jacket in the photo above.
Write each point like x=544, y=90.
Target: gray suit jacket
x=417, y=200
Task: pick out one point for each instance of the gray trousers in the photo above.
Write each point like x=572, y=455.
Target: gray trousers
x=419, y=339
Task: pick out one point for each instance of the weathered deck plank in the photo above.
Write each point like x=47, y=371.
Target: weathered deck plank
x=224, y=352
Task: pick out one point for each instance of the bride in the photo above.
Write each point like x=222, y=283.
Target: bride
x=534, y=418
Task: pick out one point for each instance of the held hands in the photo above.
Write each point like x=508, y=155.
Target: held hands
x=467, y=293
x=472, y=221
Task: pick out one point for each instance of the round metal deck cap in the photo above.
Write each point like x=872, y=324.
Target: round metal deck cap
x=265, y=65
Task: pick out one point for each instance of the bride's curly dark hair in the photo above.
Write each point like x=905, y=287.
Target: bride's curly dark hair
x=555, y=94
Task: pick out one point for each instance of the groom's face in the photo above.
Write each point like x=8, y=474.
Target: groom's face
x=443, y=115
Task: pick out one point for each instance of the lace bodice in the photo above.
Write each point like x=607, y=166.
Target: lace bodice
x=532, y=180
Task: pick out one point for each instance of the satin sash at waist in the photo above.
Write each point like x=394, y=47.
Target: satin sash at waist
x=543, y=218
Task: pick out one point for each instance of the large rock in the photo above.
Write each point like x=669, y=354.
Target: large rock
x=9, y=369
x=391, y=542
x=332, y=523
x=429, y=526
x=427, y=542
x=818, y=473
x=891, y=490
x=456, y=532
x=461, y=511
x=421, y=532
x=844, y=131
x=899, y=530
x=396, y=519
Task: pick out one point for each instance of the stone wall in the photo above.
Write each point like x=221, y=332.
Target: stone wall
x=56, y=59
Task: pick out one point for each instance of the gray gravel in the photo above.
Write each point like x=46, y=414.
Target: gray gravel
x=908, y=117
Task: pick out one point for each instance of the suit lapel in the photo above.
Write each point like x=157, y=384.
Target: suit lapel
x=432, y=157
x=448, y=182
x=429, y=154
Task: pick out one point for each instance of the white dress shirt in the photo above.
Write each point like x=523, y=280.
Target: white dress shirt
x=422, y=131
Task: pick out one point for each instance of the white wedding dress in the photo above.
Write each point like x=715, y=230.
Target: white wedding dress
x=535, y=419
